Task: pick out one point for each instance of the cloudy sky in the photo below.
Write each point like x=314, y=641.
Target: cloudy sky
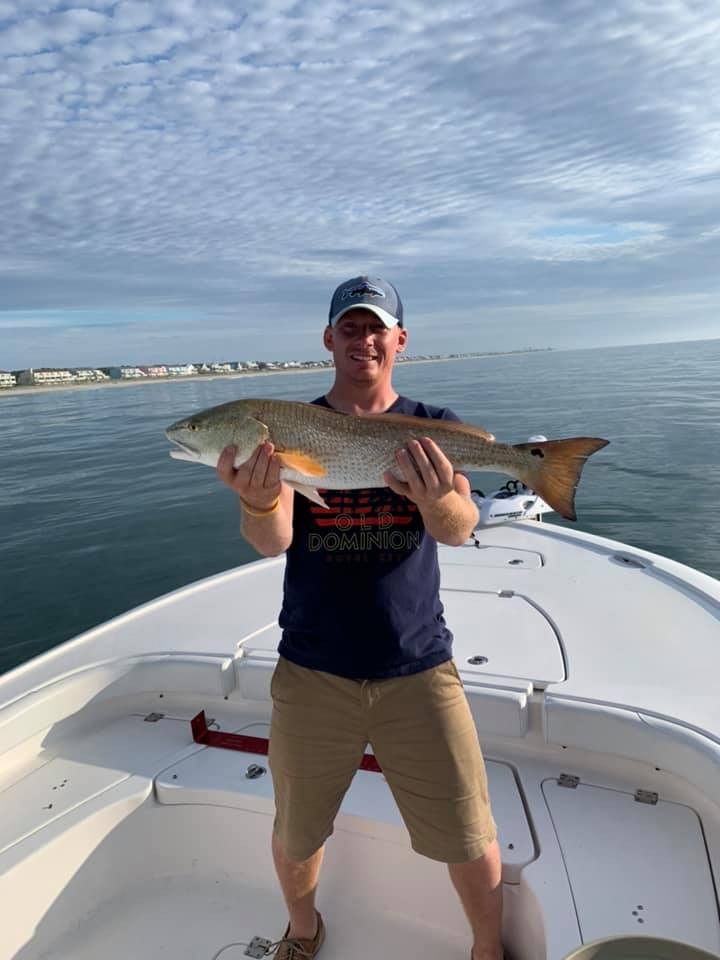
x=186, y=180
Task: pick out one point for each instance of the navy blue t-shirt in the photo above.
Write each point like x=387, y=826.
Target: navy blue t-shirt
x=361, y=593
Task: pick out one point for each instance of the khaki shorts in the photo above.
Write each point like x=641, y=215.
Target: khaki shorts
x=423, y=736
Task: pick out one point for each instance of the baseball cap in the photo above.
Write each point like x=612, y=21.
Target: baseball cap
x=371, y=293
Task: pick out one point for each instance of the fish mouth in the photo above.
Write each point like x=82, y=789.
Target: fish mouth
x=184, y=451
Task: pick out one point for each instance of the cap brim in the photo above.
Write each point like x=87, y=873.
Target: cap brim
x=387, y=318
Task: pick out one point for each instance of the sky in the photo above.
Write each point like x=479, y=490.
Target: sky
x=188, y=180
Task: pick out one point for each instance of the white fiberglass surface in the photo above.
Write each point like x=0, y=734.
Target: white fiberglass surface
x=642, y=635
x=635, y=866
x=184, y=881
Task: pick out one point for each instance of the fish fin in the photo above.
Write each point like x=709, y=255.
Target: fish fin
x=421, y=424
x=263, y=434
x=301, y=462
x=307, y=491
x=264, y=430
x=556, y=472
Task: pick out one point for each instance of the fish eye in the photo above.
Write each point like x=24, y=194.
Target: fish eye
x=193, y=426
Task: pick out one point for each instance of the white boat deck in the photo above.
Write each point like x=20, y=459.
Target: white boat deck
x=120, y=834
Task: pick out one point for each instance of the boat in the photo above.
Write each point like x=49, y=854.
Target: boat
x=136, y=804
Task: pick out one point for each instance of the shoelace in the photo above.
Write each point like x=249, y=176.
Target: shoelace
x=297, y=951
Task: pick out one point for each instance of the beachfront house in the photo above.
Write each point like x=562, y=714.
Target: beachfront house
x=125, y=373
x=181, y=370
x=7, y=379
x=89, y=375
x=44, y=376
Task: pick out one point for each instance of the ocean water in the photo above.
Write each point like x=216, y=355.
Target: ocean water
x=95, y=517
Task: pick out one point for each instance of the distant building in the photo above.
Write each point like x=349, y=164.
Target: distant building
x=125, y=373
x=88, y=374
x=44, y=376
x=214, y=367
x=181, y=370
x=158, y=370
x=7, y=379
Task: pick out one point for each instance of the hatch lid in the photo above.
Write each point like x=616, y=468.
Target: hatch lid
x=637, y=868
x=500, y=633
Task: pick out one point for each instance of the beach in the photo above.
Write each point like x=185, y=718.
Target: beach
x=146, y=381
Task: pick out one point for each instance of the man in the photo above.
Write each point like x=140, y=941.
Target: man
x=365, y=654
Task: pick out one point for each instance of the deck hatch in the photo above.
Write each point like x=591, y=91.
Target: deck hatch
x=634, y=867
x=511, y=634
x=217, y=777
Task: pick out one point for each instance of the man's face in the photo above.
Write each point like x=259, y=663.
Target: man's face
x=362, y=346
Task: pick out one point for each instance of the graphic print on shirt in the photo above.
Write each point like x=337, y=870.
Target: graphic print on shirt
x=364, y=526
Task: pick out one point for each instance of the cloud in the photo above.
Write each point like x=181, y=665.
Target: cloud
x=53, y=31
x=172, y=149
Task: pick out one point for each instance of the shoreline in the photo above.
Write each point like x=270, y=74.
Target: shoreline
x=30, y=389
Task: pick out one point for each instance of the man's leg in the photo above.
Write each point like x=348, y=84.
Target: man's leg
x=316, y=744
x=426, y=742
x=479, y=885
x=299, y=880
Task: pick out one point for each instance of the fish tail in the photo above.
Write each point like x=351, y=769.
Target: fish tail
x=555, y=467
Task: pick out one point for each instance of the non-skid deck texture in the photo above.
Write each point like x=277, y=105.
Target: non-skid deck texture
x=223, y=889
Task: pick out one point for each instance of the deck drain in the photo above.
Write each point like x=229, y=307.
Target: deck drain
x=478, y=660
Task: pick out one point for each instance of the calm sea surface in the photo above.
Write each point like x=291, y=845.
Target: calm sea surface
x=96, y=518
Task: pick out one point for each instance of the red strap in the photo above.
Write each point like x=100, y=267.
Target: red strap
x=239, y=741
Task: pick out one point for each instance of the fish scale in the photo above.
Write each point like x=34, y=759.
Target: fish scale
x=356, y=450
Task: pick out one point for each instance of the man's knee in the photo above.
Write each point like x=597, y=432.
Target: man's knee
x=296, y=851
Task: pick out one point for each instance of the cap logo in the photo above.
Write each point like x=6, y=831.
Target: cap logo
x=363, y=289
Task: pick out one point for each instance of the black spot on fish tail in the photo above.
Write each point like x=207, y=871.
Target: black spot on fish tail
x=556, y=480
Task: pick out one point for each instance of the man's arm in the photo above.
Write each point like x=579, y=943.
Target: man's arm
x=266, y=503
x=442, y=496
x=453, y=518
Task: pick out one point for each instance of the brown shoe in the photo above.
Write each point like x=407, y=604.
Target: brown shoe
x=292, y=948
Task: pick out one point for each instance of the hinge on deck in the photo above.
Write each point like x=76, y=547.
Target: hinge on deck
x=154, y=717
x=646, y=796
x=568, y=780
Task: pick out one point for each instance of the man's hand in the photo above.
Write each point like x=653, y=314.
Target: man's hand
x=257, y=481
x=266, y=503
x=442, y=496
x=429, y=475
